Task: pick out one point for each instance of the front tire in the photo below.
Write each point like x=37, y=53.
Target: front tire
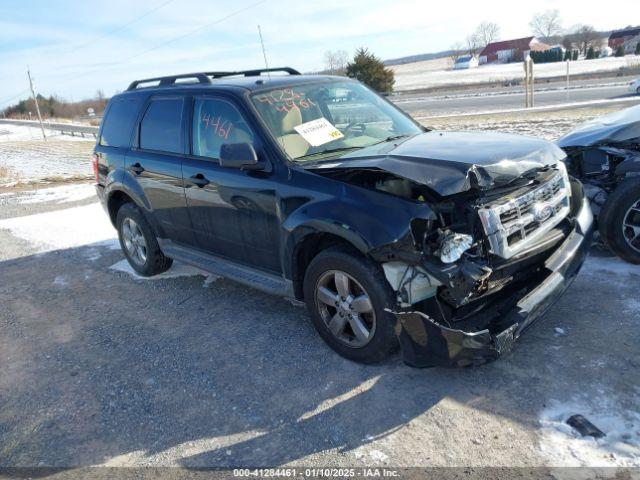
x=139, y=243
x=346, y=295
x=620, y=221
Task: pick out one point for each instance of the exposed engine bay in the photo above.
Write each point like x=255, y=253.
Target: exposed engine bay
x=456, y=270
x=497, y=241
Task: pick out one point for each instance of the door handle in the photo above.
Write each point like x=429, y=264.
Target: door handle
x=200, y=180
x=136, y=168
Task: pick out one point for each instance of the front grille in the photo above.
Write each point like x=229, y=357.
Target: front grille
x=514, y=223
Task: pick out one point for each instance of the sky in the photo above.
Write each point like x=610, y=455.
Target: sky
x=74, y=48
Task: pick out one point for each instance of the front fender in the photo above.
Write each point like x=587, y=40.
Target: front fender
x=367, y=225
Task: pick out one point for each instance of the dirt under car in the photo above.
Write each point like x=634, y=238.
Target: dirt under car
x=605, y=155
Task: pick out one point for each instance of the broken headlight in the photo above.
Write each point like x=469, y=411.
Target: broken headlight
x=453, y=245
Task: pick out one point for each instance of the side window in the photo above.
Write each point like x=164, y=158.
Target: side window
x=160, y=128
x=119, y=122
x=216, y=122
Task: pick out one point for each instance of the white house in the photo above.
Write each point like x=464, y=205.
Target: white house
x=466, y=62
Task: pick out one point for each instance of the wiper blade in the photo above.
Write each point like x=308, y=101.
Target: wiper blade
x=328, y=151
x=392, y=138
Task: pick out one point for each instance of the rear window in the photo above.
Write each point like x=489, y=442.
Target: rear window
x=119, y=122
x=160, y=128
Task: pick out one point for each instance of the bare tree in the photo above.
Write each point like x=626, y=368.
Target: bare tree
x=567, y=43
x=585, y=36
x=546, y=25
x=342, y=59
x=486, y=33
x=457, y=50
x=473, y=44
x=336, y=62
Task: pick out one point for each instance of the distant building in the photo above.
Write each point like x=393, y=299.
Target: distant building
x=511, y=50
x=631, y=44
x=466, y=62
x=619, y=37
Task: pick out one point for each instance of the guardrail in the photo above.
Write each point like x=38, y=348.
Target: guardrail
x=64, y=128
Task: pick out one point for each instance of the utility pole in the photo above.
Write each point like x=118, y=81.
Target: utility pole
x=528, y=82
x=35, y=99
x=567, y=80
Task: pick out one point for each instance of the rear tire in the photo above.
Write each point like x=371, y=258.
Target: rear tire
x=139, y=243
x=346, y=295
x=619, y=221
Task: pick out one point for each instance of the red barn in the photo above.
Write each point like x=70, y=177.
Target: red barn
x=619, y=37
x=511, y=50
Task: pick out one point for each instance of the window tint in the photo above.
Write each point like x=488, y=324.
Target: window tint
x=216, y=122
x=160, y=126
x=119, y=122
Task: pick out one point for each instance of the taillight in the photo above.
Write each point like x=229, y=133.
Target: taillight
x=94, y=164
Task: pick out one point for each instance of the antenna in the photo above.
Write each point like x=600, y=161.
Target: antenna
x=264, y=53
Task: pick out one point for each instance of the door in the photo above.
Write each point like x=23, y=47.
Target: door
x=233, y=212
x=156, y=163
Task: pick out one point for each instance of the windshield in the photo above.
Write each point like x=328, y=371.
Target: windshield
x=321, y=119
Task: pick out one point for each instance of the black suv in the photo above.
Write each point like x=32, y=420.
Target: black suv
x=313, y=187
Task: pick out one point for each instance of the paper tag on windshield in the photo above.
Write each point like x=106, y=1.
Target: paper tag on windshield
x=318, y=132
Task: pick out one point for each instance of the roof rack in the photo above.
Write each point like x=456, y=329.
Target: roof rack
x=205, y=78
x=170, y=80
x=253, y=73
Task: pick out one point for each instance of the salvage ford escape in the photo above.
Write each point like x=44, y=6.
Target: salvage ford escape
x=448, y=245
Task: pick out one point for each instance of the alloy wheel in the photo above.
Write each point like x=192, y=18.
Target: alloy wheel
x=345, y=308
x=134, y=241
x=631, y=226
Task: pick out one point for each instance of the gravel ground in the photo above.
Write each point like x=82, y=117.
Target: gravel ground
x=100, y=368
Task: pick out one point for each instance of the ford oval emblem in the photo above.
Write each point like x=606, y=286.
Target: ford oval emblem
x=542, y=212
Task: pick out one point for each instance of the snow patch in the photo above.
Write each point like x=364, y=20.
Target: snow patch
x=177, y=270
x=565, y=447
x=431, y=73
x=60, y=281
x=64, y=229
x=378, y=456
x=56, y=195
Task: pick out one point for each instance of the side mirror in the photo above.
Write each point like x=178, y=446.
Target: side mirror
x=239, y=155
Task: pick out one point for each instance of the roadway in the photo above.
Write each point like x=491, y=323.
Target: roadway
x=440, y=105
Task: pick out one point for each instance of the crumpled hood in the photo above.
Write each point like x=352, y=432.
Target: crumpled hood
x=615, y=127
x=453, y=162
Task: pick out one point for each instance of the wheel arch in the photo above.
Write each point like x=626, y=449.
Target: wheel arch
x=308, y=247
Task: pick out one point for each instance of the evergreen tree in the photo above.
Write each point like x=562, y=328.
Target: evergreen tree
x=638, y=48
x=369, y=69
x=620, y=51
x=574, y=55
x=591, y=53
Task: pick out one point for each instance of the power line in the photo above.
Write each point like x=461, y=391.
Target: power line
x=195, y=30
x=171, y=40
x=8, y=99
x=122, y=27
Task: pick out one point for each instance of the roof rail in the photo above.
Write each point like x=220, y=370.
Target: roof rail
x=205, y=78
x=253, y=73
x=170, y=80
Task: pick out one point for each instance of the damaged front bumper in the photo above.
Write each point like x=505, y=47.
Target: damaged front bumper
x=425, y=342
